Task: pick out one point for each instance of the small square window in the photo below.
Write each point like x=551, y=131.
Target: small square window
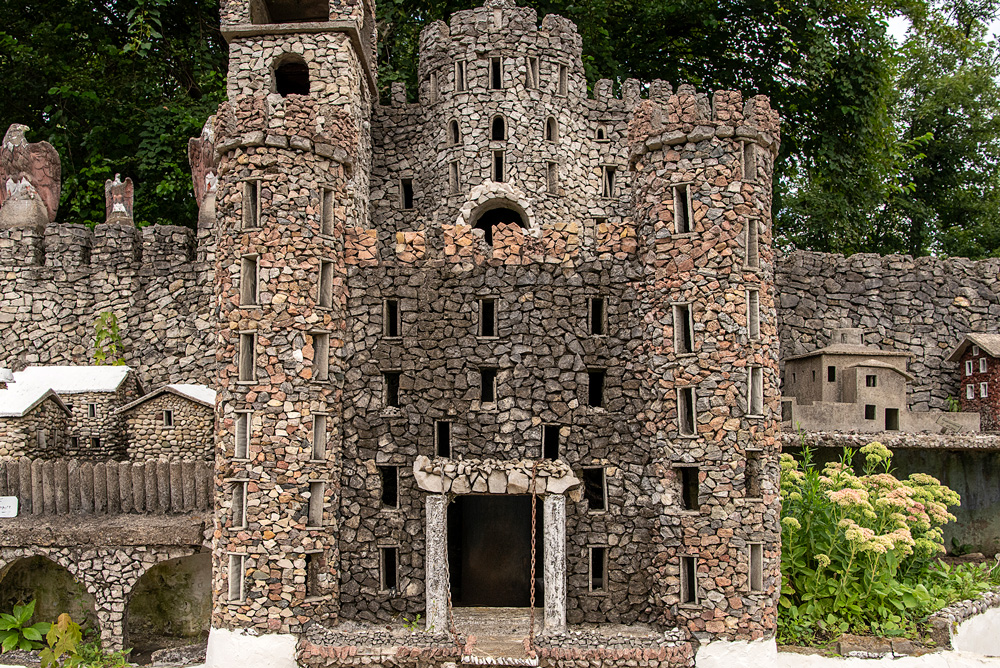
x=91, y=410
x=168, y=418
x=982, y=365
x=970, y=392
x=869, y=412
x=95, y=443
x=595, y=489
x=871, y=380
x=831, y=374
x=968, y=367
x=983, y=390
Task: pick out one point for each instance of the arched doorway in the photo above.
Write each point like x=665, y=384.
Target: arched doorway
x=170, y=605
x=52, y=587
x=496, y=212
x=291, y=76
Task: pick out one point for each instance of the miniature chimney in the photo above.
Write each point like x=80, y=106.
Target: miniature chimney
x=6, y=377
x=849, y=335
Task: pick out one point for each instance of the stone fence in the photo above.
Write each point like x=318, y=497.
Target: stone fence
x=69, y=487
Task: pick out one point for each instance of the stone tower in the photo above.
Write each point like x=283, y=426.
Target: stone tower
x=294, y=157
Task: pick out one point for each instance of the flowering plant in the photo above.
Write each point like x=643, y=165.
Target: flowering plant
x=857, y=548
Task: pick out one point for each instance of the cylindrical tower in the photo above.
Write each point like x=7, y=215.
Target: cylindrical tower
x=702, y=194
x=294, y=157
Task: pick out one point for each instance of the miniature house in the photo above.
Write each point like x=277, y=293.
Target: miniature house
x=850, y=386
x=33, y=420
x=173, y=422
x=978, y=358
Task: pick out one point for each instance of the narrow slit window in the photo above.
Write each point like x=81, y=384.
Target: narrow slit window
x=686, y=411
x=498, y=158
x=248, y=280
x=831, y=374
x=597, y=316
x=432, y=87
x=390, y=318
x=239, y=518
x=460, y=84
x=453, y=177
x=683, y=329
x=689, y=579
x=454, y=134
x=983, y=390
x=551, y=130
x=389, y=568
x=251, y=204
x=550, y=441
x=442, y=438
x=496, y=73
x=552, y=177
x=756, y=403
x=91, y=410
x=752, y=474
x=970, y=392
x=498, y=129
x=487, y=385
x=318, y=438
x=487, y=317
x=753, y=244
x=598, y=569
x=95, y=441
x=756, y=567
x=982, y=365
x=753, y=314
x=316, y=503
x=314, y=562
x=682, y=210
x=74, y=443
x=237, y=569
x=595, y=388
x=326, y=216
x=563, y=79
x=870, y=411
x=689, y=487
x=406, y=193
x=248, y=369
x=390, y=381
x=595, y=489
x=608, y=181
x=975, y=350
x=389, y=483
x=168, y=418
x=749, y=161
x=241, y=449
x=968, y=367
x=325, y=284
x=321, y=356
x=531, y=73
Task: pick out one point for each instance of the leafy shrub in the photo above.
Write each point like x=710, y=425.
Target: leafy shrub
x=857, y=550
x=62, y=640
x=15, y=632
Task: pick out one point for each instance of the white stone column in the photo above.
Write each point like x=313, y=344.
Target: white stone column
x=436, y=563
x=554, y=529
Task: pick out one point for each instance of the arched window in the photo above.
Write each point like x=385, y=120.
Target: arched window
x=291, y=76
x=454, y=136
x=551, y=130
x=498, y=129
x=602, y=133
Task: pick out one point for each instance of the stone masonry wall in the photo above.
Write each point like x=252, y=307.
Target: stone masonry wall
x=190, y=437
x=922, y=306
x=19, y=435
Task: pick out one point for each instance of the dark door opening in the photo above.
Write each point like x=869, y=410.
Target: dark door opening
x=494, y=217
x=892, y=419
x=489, y=551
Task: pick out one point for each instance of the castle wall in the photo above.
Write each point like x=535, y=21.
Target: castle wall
x=53, y=287
x=923, y=306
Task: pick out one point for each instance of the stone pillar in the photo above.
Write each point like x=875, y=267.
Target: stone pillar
x=436, y=589
x=554, y=529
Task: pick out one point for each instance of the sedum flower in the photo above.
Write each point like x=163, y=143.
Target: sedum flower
x=823, y=560
x=791, y=523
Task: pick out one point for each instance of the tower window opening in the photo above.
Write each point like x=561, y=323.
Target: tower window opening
x=752, y=475
x=247, y=366
x=498, y=129
x=406, y=193
x=595, y=489
x=239, y=520
x=241, y=448
x=551, y=130
x=487, y=317
x=552, y=177
x=595, y=388
x=598, y=569
x=683, y=329
x=756, y=567
x=251, y=204
x=753, y=314
x=498, y=157
x=487, y=385
x=237, y=568
x=326, y=217
x=756, y=400
x=496, y=73
x=325, y=284
x=531, y=73
x=601, y=134
x=432, y=87
x=292, y=78
x=248, y=280
x=391, y=388
x=682, y=210
x=390, y=318
x=453, y=177
x=454, y=134
x=314, y=561
x=460, y=84
x=321, y=356
x=389, y=479
x=316, y=503
x=597, y=316
x=689, y=579
x=753, y=244
x=749, y=161
x=318, y=438
x=388, y=568
x=689, y=487
x=686, y=417
x=563, y=79
x=608, y=181
x=550, y=441
x=442, y=438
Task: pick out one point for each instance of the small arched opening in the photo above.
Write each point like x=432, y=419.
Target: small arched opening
x=498, y=129
x=454, y=134
x=291, y=76
x=497, y=212
x=602, y=133
x=52, y=587
x=551, y=130
x=289, y=11
x=170, y=605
